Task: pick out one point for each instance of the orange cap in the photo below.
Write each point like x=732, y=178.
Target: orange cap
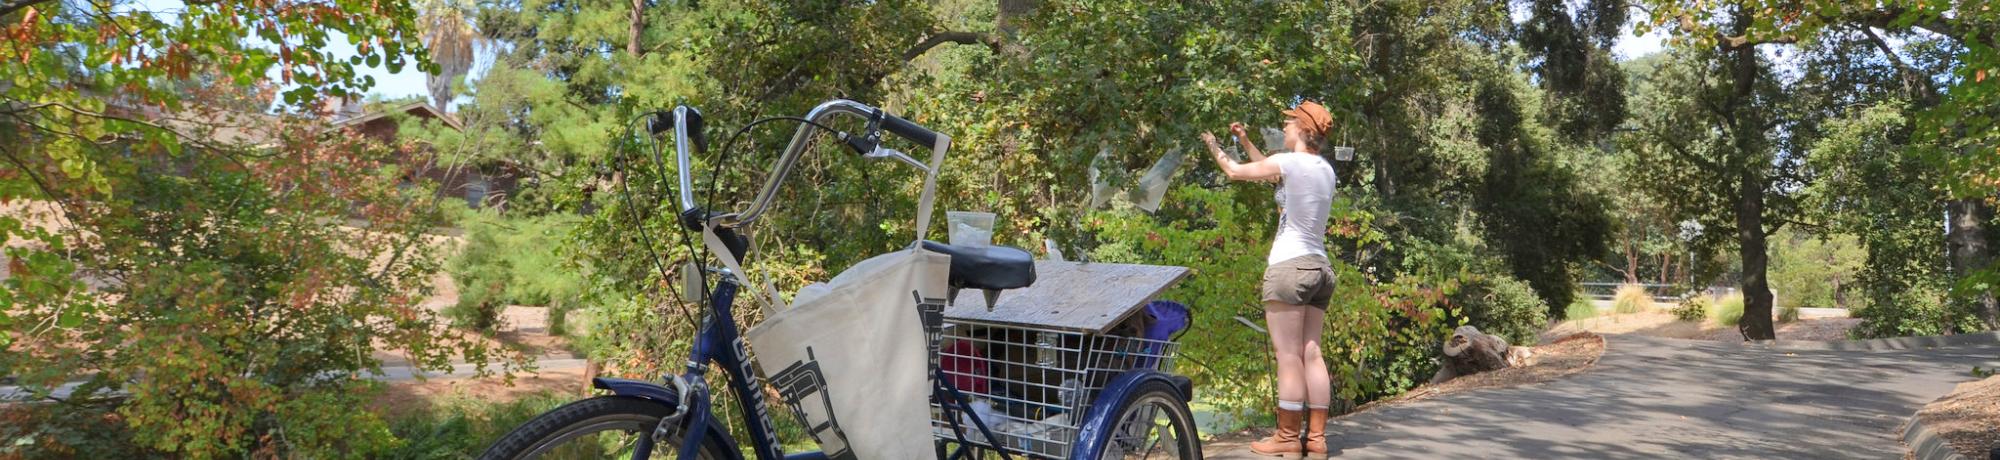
x=1311, y=116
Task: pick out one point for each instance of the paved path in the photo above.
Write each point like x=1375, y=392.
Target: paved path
x=1667, y=398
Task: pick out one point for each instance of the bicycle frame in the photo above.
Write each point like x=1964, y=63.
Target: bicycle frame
x=718, y=342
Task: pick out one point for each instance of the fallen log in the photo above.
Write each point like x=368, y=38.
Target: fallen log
x=1469, y=351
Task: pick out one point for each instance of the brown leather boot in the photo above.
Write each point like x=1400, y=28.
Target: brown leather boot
x=1285, y=442
x=1316, y=433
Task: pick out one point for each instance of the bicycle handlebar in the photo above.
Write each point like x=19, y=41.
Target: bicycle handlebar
x=909, y=130
x=800, y=140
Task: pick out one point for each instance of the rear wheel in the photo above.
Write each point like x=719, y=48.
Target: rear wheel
x=597, y=428
x=1154, y=423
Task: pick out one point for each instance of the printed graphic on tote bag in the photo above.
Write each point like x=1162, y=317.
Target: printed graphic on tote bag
x=930, y=310
x=804, y=388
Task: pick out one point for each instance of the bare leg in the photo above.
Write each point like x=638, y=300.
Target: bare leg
x=1287, y=338
x=1319, y=387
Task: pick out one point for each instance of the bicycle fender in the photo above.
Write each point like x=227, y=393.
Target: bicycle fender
x=656, y=392
x=1097, y=423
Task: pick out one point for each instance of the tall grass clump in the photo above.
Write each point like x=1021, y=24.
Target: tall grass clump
x=1581, y=308
x=1631, y=298
x=1729, y=310
x=1788, y=313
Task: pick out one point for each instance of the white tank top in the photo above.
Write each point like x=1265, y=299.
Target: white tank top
x=1305, y=196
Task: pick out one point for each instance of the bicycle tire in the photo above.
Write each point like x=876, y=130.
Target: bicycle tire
x=1168, y=402
x=590, y=416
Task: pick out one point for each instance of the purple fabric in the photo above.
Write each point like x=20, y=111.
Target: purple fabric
x=1168, y=317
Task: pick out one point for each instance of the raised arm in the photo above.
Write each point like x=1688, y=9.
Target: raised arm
x=1243, y=140
x=1260, y=170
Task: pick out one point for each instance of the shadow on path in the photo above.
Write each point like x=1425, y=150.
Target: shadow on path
x=1653, y=397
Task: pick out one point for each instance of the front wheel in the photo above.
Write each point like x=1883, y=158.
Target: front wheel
x=603, y=427
x=1154, y=423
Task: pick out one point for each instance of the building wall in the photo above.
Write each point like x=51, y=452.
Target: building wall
x=478, y=187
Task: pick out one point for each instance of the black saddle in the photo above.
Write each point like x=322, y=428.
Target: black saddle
x=987, y=267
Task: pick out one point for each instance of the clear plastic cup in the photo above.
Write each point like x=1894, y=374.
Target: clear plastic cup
x=970, y=228
x=1343, y=153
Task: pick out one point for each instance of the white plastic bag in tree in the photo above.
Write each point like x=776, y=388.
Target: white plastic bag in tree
x=852, y=361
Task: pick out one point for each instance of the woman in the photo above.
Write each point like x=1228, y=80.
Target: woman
x=1298, y=280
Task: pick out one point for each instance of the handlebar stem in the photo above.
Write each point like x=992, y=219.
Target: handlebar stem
x=681, y=142
x=800, y=140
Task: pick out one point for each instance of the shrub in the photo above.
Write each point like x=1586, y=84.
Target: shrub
x=1693, y=308
x=244, y=308
x=1381, y=336
x=457, y=426
x=512, y=261
x=1503, y=306
x=1897, y=308
x=1788, y=314
x=67, y=430
x=1580, y=308
x=482, y=274
x=1729, y=310
x=1631, y=298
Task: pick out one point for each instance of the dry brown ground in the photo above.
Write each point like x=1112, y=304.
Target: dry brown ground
x=1967, y=417
x=1662, y=324
x=414, y=396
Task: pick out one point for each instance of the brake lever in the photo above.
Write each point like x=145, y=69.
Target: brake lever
x=870, y=139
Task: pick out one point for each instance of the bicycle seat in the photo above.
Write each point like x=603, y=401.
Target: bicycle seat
x=987, y=267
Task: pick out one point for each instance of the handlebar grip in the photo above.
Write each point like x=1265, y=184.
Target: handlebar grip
x=909, y=130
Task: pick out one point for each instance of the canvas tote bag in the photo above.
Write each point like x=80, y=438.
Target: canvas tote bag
x=850, y=356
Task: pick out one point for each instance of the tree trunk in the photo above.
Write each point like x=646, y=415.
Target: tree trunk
x=1753, y=248
x=638, y=28
x=1631, y=264
x=1666, y=265
x=1747, y=132
x=1966, y=241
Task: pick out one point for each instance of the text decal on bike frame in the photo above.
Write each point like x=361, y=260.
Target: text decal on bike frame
x=755, y=393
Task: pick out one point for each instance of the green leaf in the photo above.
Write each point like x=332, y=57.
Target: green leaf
x=70, y=318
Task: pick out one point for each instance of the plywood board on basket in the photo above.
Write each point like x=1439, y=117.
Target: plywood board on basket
x=1083, y=297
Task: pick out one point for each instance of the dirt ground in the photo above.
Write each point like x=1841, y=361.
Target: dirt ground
x=524, y=329
x=1663, y=324
x=1966, y=417
x=417, y=395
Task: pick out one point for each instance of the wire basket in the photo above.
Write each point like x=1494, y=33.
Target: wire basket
x=1031, y=386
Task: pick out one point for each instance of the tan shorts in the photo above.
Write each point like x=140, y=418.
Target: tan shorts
x=1302, y=280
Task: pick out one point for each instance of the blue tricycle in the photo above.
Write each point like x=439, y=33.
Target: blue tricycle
x=1063, y=360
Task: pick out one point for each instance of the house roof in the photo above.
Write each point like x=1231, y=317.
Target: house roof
x=410, y=108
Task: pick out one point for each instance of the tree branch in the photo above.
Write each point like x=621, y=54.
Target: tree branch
x=1681, y=151
x=963, y=38
x=9, y=8
x=1885, y=19
x=1728, y=42
x=1780, y=223
x=1914, y=81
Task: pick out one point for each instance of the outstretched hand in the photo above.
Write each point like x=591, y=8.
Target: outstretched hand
x=1239, y=130
x=1208, y=138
